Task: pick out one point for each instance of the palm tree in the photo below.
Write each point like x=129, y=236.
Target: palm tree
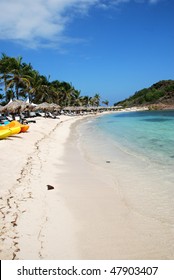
x=57, y=91
x=95, y=101
x=40, y=88
x=5, y=74
x=65, y=92
x=35, y=86
x=19, y=78
x=76, y=99
x=105, y=102
x=86, y=100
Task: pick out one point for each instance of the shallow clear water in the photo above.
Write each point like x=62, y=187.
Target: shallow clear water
x=137, y=150
x=148, y=134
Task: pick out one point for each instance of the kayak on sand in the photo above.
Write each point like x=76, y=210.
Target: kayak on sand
x=5, y=133
x=23, y=127
x=13, y=130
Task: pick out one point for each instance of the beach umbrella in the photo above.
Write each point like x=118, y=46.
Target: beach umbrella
x=81, y=108
x=47, y=107
x=54, y=106
x=43, y=107
x=73, y=108
x=68, y=108
x=92, y=108
x=16, y=106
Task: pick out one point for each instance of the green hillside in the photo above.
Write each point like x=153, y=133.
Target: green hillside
x=160, y=94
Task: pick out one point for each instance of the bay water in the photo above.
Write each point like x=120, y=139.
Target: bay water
x=137, y=150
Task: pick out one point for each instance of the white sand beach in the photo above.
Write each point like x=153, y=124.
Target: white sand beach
x=28, y=209
x=82, y=216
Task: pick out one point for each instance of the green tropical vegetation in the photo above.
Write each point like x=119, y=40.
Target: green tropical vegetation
x=18, y=80
x=161, y=93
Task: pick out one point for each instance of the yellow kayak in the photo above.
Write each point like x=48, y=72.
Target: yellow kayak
x=13, y=130
x=23, y=127
x=5, y=133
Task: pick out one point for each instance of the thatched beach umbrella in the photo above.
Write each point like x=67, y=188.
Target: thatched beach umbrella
x=46, y=107
x=43, y=106
x=92, y=108
x=54, y=107
x=16, y=106
x=69, y=108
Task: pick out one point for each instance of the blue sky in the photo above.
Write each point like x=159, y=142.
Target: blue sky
x=112, y=47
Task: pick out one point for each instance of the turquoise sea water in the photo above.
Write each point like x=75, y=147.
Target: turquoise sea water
x=137, y=150
x=147, y=134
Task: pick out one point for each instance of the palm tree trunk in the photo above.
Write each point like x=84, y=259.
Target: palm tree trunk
x=17, y=91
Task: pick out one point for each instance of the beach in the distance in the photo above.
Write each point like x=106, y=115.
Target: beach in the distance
x=57, y=203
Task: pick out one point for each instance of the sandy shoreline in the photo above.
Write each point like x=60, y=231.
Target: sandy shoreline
x=28, y=165
x=85, y=216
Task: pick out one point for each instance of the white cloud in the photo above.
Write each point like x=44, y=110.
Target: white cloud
x=31, y=21
x=43, y=22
